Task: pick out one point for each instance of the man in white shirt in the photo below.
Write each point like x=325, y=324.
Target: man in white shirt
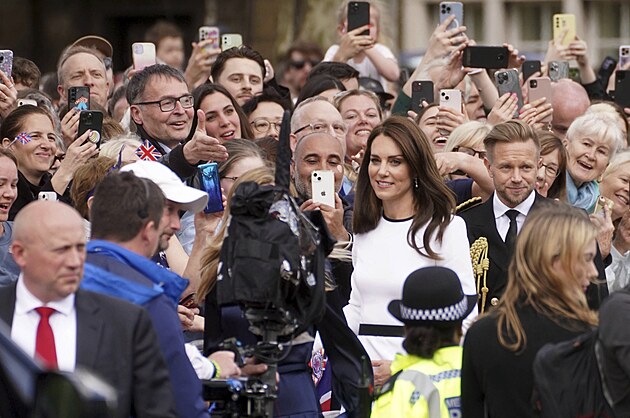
x=65, y=328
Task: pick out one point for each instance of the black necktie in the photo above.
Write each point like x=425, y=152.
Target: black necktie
x=510, y=237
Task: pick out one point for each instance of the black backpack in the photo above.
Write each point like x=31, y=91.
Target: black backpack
x=568, y=379
x=273, y=255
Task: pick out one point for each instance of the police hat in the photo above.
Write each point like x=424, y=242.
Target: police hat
x=432, y=296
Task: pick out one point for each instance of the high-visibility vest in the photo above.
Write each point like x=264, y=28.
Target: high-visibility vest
x=423, y=388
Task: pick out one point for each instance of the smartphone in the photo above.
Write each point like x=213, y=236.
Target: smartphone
x=231, y=40
x=323, y=187
x=143, y=55
x=52, y=196
x=188, y=301
x=92, y=120
x=540, y=87
x=530, y=68
x=23, y=102
x=561, y=23
x=421, y=91
x=6, y=62
x=622, y=88
x=606, y=69
x=451, y=98
x=210, y=33
x=601, y=202
x=507, y=82
x=448, y=8
x=486, y=57
x=358, y=15
x=211, y=185
x=624, y=56
x=79, y=98
x=558, y=70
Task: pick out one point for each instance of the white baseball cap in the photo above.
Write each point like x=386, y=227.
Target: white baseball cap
x=174, y=189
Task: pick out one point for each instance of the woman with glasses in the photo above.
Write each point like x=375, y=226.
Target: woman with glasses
x=225, y=119
x=551, y=177
x=265, y=112
x=402, y=221
x=29, y=132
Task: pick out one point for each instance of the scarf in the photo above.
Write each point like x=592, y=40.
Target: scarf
x=585, y=196
x=172, y=284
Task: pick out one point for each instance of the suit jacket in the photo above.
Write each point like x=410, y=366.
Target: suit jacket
x=480, y=222
x=116, y=340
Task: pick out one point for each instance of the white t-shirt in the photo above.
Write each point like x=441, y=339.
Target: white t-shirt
x=365, y=67
x=382, y=260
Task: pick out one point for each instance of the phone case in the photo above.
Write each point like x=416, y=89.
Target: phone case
x=143, y=55
x=451, y=98
x=486, y=57
x=563, y=22
x=601, y=202
x=91, y=119
x=6, y=62
x=51, y=196
x=79, y=98
x=421, y=90
x=24, y=102
x=558, y=70
x=231, y=40
x=323, y=187
x=448, y=8
x=507, y=82
x=624, y=56
x=358, y=15
x=530, y=68
x=210, y=33
x=211, y=185
x=540, y=87
x=622, y=88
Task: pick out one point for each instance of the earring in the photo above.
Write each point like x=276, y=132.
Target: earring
x=415, y=183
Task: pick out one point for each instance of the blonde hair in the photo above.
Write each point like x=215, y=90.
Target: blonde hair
x=470, y=134
x=557, y=232
x=112, y=147
x=621, y=158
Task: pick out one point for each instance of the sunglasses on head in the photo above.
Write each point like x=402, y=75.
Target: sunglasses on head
x=301, y=63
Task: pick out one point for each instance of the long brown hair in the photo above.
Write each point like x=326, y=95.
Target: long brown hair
x=549, y=142
x=556, y=232
x=434, y=202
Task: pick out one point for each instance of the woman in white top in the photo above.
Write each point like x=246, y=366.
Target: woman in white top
x=403, y=220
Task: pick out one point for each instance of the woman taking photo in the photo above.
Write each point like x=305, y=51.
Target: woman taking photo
x=403, y=221
x=544, y=302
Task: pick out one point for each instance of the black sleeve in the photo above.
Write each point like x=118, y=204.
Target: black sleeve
x=472, y=389
x=176, y=161
x=596, y=91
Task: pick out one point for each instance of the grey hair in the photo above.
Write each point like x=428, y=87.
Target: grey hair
x=137, y=84
x=598, y=125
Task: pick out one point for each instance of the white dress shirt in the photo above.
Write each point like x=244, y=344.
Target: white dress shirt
x=63, y=323
x=501, y=219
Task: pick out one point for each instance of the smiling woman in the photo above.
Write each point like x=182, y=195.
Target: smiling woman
x=403, y=221
x=225, y=119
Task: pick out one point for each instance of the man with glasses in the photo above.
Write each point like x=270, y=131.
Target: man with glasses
x=317, y=114
x=162, y=109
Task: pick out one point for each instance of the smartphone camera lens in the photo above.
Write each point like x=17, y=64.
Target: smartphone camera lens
x=138, y=49
x=1, y=58
x=500, y=57
x=443, y=94
x=533, y=84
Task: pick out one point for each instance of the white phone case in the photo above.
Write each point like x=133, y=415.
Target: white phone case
x=451, y=98
x=323, y=187
x=231, y=40
x=624, y=56
x=143, y=55
x=210, y=33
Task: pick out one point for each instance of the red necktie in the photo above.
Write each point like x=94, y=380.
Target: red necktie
x=45, y=341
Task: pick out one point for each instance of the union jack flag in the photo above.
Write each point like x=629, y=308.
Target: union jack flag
x=147, y=152
x=24, y=138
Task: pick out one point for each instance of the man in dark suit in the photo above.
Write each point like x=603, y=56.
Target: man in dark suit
x=112, y=338
x=513, y=152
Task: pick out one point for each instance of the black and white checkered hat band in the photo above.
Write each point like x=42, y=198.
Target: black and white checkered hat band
x=449, y=313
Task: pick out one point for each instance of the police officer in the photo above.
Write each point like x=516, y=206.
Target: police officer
x=426, y=381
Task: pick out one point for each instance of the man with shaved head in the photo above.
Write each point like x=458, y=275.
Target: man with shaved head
x=64, y=327
x=569, y=101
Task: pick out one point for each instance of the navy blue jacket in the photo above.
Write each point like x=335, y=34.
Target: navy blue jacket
x=186, y=385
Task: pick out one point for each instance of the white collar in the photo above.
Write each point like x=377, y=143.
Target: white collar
x=523, y=208
x=25, y=301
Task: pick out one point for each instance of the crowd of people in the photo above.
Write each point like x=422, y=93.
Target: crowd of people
x=466, y=238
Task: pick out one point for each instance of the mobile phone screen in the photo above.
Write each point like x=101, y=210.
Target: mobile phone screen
x=211, y=185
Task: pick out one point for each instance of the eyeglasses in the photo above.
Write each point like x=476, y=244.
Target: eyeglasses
x=337, y=128
x=168, y=104
x=263, y=125
x=299, y=64
x=551, y=170
x=471, y=151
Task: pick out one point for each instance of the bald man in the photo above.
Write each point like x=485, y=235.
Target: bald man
x=569, y=101
x=112, y=338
